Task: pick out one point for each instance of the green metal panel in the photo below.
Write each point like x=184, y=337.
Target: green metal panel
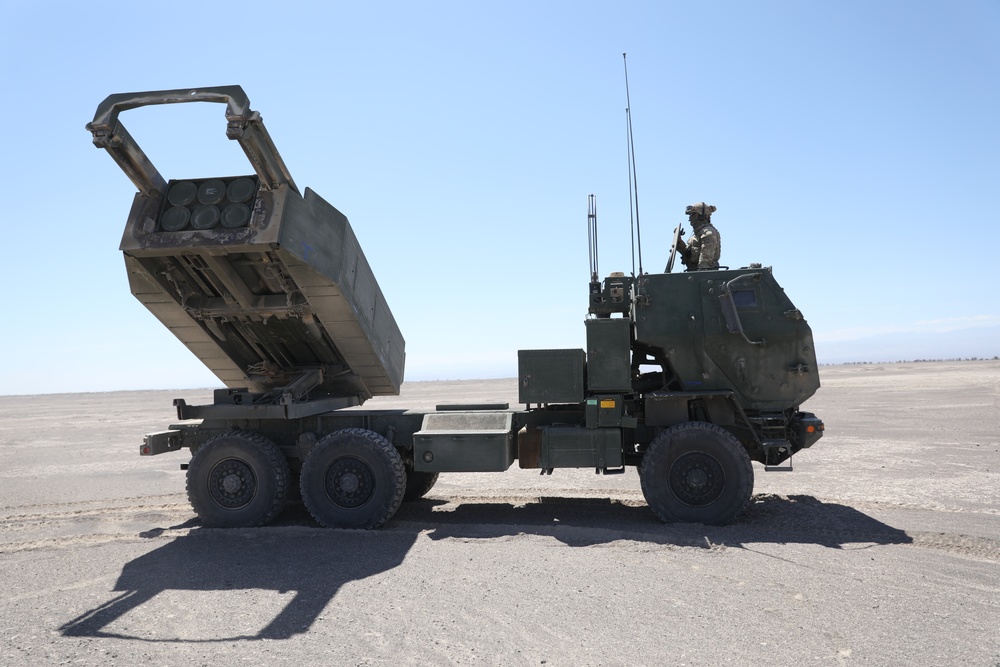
x=604, y=410
x=769, y=363
x=550, y=376
x=665, y=408
x=609, y=354
x=576, y=447
x=464, y=442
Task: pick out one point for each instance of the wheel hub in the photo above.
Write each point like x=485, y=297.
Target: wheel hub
x=696, y=479
x=232, y=483
x=350, y=482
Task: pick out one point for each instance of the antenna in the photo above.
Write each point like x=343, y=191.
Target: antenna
x=631, y=204
x=592, y=238
x=633, y=182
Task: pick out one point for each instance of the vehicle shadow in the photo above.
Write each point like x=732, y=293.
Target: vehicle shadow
x=589, y=521
x=296, y=555
x=311, y=562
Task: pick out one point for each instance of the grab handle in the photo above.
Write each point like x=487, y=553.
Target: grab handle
x=244, y=125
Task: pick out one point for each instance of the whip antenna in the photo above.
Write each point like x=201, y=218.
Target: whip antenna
x=631, y=204
x=633, y=183
x=592, y=237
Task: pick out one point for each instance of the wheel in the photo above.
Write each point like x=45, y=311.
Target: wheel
x=352, y=478
x=698, y=473
x=418, y=484
x=237, y=479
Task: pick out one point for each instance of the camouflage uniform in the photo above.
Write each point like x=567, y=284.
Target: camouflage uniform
x=705, y=245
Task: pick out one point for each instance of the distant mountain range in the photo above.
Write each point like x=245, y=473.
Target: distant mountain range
x=981, y=343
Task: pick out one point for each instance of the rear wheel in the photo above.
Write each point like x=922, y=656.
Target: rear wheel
x=237, y=479
x=696, y=472
x=352, y=478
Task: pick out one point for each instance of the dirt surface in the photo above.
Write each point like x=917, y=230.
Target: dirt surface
x=881, y=548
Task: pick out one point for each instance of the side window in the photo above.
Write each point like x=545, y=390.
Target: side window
x=745, y=298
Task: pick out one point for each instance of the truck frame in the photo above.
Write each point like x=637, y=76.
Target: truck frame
x=687, y=376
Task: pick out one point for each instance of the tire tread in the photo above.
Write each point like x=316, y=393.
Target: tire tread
x=659, y=498
x=314, y=494
x=200, y=498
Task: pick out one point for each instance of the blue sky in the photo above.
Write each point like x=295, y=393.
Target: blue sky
x=852, y=146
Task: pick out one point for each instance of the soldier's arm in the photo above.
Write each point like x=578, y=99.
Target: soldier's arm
x=711, y=248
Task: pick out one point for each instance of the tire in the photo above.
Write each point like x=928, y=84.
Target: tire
x=352, y=478
x=238, y=479
x=418, y=484
x=696, y=473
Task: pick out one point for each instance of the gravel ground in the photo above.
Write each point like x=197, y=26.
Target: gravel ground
x=881, y=548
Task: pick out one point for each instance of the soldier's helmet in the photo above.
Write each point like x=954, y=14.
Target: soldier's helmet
x=700, y=209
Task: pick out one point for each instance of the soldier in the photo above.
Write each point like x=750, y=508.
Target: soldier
x=705, y=245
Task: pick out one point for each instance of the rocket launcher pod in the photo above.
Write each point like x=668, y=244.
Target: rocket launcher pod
x=269, y=288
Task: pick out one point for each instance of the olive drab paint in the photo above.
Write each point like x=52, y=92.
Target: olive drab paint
x=687, y=377
x=261, y=283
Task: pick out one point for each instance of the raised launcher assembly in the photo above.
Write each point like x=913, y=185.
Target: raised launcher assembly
x=269, y=288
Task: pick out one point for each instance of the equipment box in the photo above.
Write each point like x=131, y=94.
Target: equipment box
x=574, y=447
x=550, y=376
x=609, y=354
x=464, y=442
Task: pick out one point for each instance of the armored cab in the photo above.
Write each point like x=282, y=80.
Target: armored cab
x=269, y=288
x=732, y=330
x=689, y=377
x=725, y=347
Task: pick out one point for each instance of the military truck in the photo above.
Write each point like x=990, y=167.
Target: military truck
x=687, y=376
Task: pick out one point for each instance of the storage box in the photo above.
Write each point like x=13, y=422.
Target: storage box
x=550, y=376
x=609, y=354
x=464, y=442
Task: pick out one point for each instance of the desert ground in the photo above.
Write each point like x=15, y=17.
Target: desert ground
x=881, y=548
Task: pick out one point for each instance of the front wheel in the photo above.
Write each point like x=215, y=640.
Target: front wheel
x=696, y=472
x=352, y=478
